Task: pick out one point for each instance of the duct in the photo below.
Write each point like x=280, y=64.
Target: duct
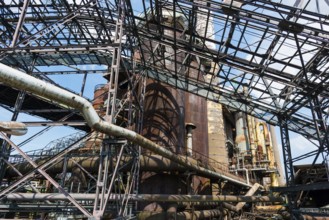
x=261, y=143
x=272, y=208
x=13, y=128
x=251, y=192
x=230, y=207
x=146, y=197
x=154, y=163
x=202, y=214
x=268, y=146
x=314, y=217
x=189, y=143
x=277, y=156
x=22, y=81
x=240, y=205
x=241, y=133
x=247, y=174
x=266, y=142
x=252, y=138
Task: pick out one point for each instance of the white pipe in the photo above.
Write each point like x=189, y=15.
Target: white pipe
x=22, y=81
x=277, y=157
x=13, y=128
x=189, y=138
x=251, y=192
x=247, y=175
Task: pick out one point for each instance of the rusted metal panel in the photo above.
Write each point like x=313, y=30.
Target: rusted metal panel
x=100, y=96
x=164, y=116
x=195, y=112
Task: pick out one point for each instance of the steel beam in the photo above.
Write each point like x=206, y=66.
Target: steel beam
x=16, y=78
x=42, y=172
x=20, y=23
x=54, y=123
x=286, y=149
x=306, y=187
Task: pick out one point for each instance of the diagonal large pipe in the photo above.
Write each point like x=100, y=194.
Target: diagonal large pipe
x=147, y=197
x=22, y=81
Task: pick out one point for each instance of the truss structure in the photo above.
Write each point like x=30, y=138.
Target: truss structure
x=266, y=58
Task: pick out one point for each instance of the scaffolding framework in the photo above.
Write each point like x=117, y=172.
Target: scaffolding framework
x=279, y=52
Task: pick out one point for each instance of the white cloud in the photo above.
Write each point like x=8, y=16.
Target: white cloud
x=299, y=146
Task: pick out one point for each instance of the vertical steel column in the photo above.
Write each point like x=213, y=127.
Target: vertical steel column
x=288, y=164
x=139, y=130
x=5, y=148
x=287, y=158
x=318, y=119
x=101, y=184
x=102, y=193
x=114, y=174
x=64, y=172
x=115, y=66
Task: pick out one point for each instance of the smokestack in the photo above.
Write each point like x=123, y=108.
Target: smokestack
x=189, y=143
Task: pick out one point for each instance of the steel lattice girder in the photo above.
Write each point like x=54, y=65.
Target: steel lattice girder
x=254, y=46
x=277, y=85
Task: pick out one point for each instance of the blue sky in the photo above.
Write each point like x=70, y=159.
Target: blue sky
x=73, y=82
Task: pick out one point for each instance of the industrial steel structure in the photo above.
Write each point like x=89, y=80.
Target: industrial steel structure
x=163, y=65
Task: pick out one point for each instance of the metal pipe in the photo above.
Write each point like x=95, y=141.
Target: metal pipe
x=314, y=217
x=241, y=133
x=277, y=157
x=146, y=197
x=48, y=177
x=153, y=163
x=270, y=156
x=202, y=214
x=252, y=138
x=187, y=215
x=10, y=165
x=230, y=207
x=273, y=208
x=247, y=174
x=261, y=140
x=13, y=127
x=189, y=144
x=251, y=192
x=22, y=81
x=240, y=205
